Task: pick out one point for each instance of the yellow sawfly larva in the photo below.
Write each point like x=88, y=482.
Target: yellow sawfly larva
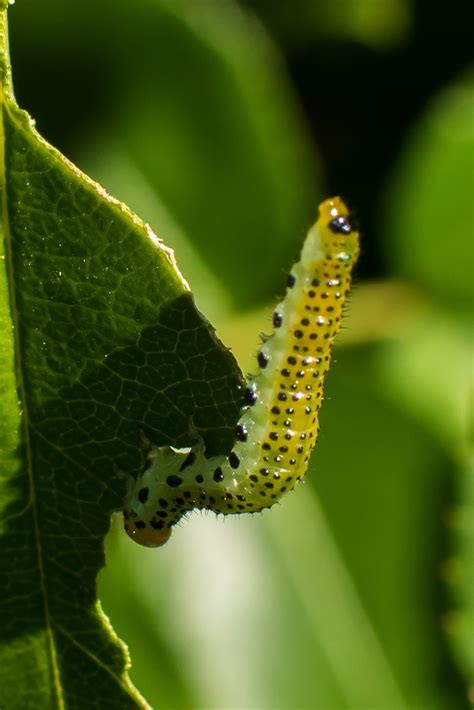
x=279, y=424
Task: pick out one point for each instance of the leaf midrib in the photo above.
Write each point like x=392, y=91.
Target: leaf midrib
x=5, y=91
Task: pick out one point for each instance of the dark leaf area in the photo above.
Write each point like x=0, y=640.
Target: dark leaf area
x=110, y=348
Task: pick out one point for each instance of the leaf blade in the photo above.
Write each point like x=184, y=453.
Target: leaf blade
x=108, y=344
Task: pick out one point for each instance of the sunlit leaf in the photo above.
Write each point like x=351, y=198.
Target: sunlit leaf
x=102, y=343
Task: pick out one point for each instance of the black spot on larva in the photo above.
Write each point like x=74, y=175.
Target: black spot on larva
x=277, y=458
x=188, y=461
x=234, y=460
x=250, y=396
x=340, y=225
x=315, y=282
x=218, y=475
x=283, y=449
x=254, y=478
x=157, y=524
x=241, y=498
x=212, y=500
x=311, y=294
x=300, y=449
x=298, y=333
x=140, y=524
x=264, y=471
x=275, y=410
x=262, y=359
x=266, y=446
x=277, y=320
x=199, y=478
x=241, y=432
x=282, y=397
x=292, y=462
x=285, y=372
x=163, y=502
x=179, y=501
x=291, y=360
x=143, y=495
x=187, y=495
x=288, y=436
x=305, y=321
x=291, y=280
x=174, y=481
x=162, y=513
x=269, y=484
x=290, y=410
x=273, y=435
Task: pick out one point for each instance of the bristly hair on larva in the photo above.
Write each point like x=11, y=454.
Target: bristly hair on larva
x=279, y=423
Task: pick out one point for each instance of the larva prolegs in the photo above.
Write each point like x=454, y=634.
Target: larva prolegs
x=280, y=420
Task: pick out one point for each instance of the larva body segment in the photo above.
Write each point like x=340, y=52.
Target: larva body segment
x=279, y=423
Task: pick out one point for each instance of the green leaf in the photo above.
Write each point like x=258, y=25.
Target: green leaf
x=429, y=210
x=221, y=119
x=429, y=220
x=198, y=102
x=101, y=342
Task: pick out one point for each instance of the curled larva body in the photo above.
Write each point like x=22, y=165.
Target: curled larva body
x=279, y=424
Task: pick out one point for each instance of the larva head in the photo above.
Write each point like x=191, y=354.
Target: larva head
x=157, y=499
x=145, y=534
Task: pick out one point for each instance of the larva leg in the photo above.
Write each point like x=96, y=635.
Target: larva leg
x=279, y=424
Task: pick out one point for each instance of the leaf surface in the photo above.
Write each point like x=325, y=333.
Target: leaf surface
x=101, y=343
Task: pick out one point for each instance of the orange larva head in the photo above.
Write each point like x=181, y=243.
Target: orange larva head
x=145, y=534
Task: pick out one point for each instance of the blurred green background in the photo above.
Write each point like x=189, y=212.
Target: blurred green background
x=223, y=125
